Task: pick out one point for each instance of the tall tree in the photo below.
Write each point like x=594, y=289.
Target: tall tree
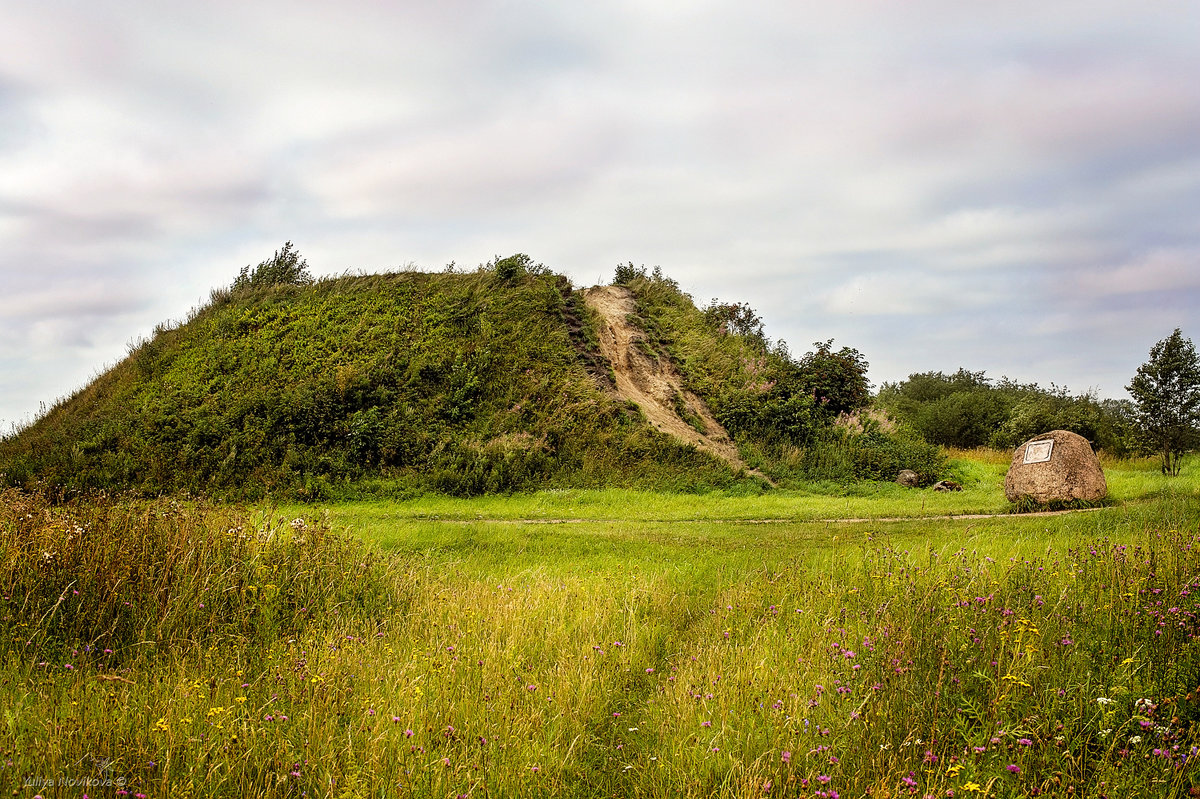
x=1166, y=393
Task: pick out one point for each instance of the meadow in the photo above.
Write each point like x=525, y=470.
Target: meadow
x=607, y=643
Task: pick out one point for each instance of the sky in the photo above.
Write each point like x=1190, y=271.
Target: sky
x=1006, y=187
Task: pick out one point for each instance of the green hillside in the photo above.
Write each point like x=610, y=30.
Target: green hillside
x=462, y=383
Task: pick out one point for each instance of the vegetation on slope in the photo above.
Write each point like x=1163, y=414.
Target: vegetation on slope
x=782, y=411
x=459, y=383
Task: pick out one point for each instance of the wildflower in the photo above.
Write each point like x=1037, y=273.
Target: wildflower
x=408, y=733
x=1013, y=768
x=706, y=724
x=786, y=757
x=1104, y=700
x=1025, y=742
x=1136, y=739
x=823, y=778
x=972, y=787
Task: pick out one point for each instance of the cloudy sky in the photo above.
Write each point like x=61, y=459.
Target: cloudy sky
x=1011, y=187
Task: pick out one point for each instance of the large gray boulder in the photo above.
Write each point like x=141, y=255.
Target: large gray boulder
x=1058, y=466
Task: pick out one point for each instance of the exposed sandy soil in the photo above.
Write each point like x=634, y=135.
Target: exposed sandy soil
x=652, y=382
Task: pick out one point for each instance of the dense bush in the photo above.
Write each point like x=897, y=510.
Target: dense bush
x=843, y=455
x=966, y=409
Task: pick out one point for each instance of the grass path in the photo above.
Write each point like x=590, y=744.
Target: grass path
x=854, y=520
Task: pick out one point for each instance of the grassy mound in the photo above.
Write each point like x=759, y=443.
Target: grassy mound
x=458, y=383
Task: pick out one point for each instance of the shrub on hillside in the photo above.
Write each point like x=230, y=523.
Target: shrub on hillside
x=285, y=268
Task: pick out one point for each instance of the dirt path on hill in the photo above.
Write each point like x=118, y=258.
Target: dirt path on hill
x=652, y=382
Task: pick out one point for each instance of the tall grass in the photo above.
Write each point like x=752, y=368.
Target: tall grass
x=1000, y=657
x=113, y=583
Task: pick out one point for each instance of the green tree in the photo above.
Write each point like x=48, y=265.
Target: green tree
x=837, y=381
x=963, y=419
x=736, y=319
x=1166, y=393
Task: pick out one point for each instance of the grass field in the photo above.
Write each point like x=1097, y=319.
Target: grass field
x=607, y=644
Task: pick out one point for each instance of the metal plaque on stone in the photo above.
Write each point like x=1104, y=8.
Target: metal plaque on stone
x=1039, y=451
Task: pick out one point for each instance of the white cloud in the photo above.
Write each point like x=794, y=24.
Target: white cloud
x=840, y=166
x=1159, y=270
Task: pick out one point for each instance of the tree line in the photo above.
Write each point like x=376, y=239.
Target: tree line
x=967, y=409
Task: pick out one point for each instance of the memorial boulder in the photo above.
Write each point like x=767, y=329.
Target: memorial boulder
x=1058, y=466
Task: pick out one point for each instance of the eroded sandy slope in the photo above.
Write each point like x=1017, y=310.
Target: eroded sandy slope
x=652, y=382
